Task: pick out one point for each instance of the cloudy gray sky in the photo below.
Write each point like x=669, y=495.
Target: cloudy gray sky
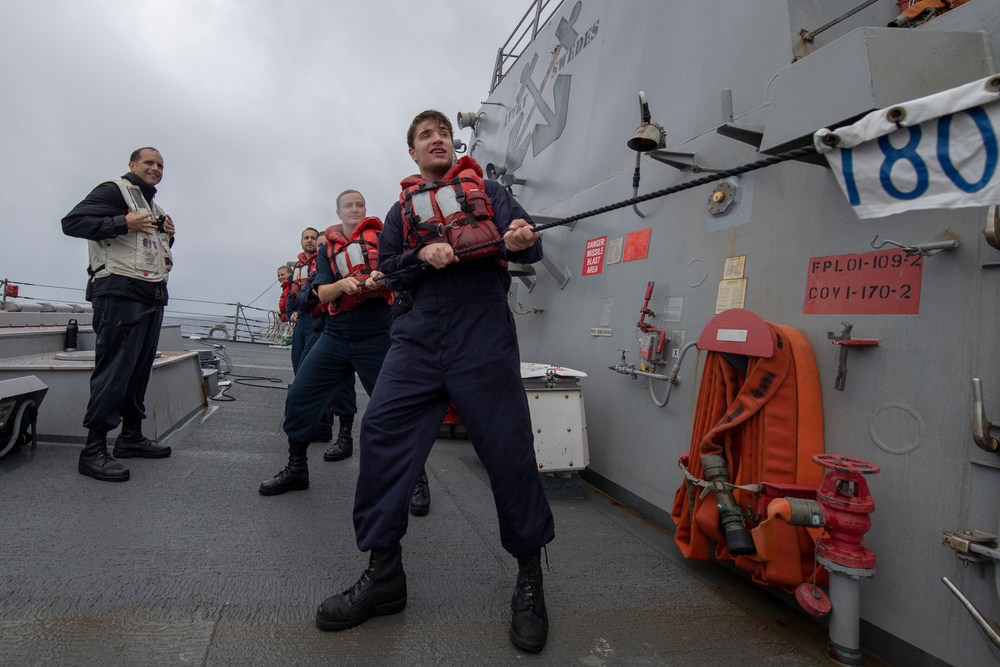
x=263, y=110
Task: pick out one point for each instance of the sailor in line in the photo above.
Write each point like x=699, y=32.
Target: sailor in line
x=458, y=342
x=354, y=339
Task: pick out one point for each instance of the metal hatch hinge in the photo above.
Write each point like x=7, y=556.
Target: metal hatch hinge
x=972, y=546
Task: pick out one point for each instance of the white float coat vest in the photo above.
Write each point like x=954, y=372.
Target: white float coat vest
x=135, y=254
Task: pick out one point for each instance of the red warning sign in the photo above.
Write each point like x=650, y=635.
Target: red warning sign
x=593, y=256
x=637, y=245
x=886, y=282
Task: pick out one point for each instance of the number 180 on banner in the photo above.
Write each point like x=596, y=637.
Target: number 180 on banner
x=941, y=151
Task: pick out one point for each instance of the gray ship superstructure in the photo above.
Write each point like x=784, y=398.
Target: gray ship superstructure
x=721, y=84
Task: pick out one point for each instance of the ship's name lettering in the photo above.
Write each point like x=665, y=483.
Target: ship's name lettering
x=567, y=55
x=518, y=108
x=579, y=45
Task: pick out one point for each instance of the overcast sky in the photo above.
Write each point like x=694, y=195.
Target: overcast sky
x=263, y=110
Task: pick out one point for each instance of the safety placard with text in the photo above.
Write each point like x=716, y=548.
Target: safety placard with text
x=593, y=256
x=886, y=282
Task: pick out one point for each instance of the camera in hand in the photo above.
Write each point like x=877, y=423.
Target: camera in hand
x=161, y=221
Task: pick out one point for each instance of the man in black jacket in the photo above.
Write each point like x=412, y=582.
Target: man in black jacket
x=129, y=239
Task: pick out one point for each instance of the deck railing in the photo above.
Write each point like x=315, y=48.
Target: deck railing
x=534, y=19
x=247, y=323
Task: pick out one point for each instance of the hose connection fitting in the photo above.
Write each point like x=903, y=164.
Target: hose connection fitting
x=738, y=538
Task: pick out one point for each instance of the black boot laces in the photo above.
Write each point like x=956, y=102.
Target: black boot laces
x=528, y=589
x=422, y=487
x=530, y=585
x=366, y=576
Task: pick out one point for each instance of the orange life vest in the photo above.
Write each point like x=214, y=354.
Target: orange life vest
x=455, y=210
x=289, y=290
x=305, y=265
x=355, y=257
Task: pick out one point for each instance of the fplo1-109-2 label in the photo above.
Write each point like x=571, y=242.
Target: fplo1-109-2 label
x=886, y=282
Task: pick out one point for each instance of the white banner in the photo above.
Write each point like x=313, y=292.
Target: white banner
x=938, y=151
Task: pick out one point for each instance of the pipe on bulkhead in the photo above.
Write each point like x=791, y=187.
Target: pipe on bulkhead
x=670, y=378
x=843, y=506
x=630, y=369
x=845, y=619
x=635, y=186
x=845, y=588
x=649, y=136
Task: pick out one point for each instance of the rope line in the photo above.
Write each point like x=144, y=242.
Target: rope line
x=703, y=180
x=261, y=294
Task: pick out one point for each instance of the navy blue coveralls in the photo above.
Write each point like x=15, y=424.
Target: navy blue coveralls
x=457, y=343
x=352, y=342
x=303, y=324
x=343, y=398
x=305, y=301
x=128, y=313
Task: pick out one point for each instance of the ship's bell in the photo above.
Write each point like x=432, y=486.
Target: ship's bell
x=648, y=137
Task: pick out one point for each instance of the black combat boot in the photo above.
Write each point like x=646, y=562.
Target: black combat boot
x=344, y=446
x=132, y=443
x=324, y=432
x=95, y=462
x=420, y=501
x=380, y=591
x=529, y=623
x=295, y=476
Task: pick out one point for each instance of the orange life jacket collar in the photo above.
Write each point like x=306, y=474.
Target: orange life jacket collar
x=455, y=210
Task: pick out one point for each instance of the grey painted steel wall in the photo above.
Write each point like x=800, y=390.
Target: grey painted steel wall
x=907, y=404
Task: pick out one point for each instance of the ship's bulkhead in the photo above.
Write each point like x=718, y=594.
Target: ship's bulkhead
x=731, y=82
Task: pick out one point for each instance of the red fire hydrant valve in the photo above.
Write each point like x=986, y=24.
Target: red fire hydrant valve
x=846, y=505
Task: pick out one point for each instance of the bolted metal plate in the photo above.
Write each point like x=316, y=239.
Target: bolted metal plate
x=721, y=197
